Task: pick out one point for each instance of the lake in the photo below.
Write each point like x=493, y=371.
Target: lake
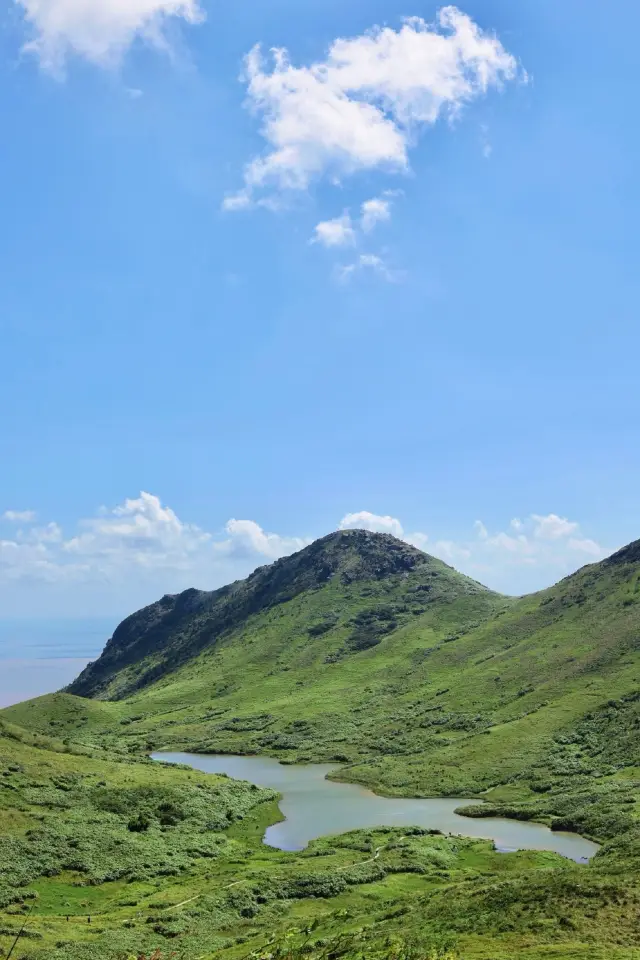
x=316, y=807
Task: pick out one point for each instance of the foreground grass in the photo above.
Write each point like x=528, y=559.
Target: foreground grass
x=111, y=856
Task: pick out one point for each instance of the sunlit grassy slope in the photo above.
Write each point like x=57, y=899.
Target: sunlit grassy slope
x=416, y=680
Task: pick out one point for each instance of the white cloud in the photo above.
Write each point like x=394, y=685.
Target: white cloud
x=140, y=533
x=587, y=546
x=343, y=232
x=368, y=262
x=140, y=541
x=419, y=540
x=364, y=105
x=130, y=554
x=247, y=538
x=485, y=143
x=374, y=211
x=335, y=233
x=18, y=516
x=237, y=201
x=481, y=530
x=51, y=533
x=364, y=520
x=451, y=552
x=552, y=527
x=99, y=30
x=371, y=521
x=538, y=552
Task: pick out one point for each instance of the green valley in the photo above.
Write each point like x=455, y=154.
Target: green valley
x=416, y=681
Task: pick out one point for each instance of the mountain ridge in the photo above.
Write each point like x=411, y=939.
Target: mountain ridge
x=421, y=663
x=179, y=626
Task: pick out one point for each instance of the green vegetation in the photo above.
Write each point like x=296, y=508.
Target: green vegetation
x=363, y=651
x=167, y=859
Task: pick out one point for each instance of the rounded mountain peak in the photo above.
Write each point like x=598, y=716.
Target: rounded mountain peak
x=352, y=555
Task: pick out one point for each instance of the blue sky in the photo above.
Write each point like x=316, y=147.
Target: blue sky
x=194, y=302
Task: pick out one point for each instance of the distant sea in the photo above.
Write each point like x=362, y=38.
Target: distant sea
x=40, y=656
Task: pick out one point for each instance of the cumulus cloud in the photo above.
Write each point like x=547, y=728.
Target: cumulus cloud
x=363, y=106
x=18, y=516
x=141, y=548
x=50, y=533
x=344, y=231
x=374, y=211
x=141, y=536
x=99, y=30
x=364, y=520
x=532, y=554
x=371, y=521
x=552, y=527
x=247, y=538
x=140, y=532
x=338, y=232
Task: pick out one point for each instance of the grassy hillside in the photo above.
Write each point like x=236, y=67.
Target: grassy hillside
x=159, y=639
x=418, y=681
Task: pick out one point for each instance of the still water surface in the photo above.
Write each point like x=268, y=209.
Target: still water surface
x=317, y=807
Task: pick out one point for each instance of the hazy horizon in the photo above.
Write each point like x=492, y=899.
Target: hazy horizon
x=39, y=655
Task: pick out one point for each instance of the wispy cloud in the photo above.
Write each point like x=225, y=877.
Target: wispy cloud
x=485, y=142
x=364, y=105
x=369, y=263
x=18, y=516
x=339, y=232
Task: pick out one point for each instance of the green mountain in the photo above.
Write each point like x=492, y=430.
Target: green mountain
x=362, y=648
x=331, y=579
x=419, y=681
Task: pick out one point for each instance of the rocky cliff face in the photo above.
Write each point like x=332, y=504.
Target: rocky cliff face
x=628, y=554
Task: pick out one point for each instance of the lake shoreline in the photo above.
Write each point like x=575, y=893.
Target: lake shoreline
x=537, y=835
x=337, y=776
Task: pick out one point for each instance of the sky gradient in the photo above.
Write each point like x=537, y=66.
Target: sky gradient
x=386, y=278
